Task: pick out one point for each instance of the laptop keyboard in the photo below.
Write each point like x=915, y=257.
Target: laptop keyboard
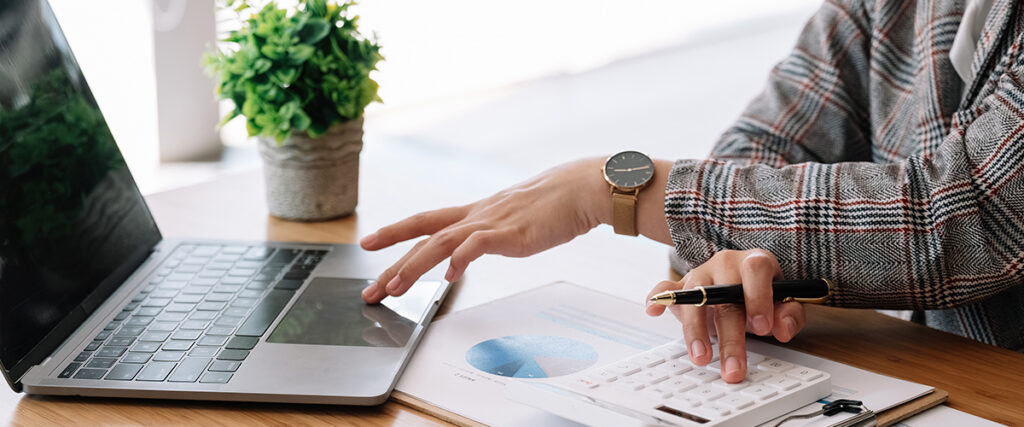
x=199, y=316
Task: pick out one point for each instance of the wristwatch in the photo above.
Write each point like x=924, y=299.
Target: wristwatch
x=628, y=172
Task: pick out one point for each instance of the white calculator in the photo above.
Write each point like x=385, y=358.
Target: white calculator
x=661, y=387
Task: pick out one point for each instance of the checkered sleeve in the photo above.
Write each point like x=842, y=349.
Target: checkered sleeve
x=936, y=230
x=814, y=107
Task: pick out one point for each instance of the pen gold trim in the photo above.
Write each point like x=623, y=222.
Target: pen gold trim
x=669, y=297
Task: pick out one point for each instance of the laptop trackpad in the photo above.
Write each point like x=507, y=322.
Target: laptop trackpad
x=330, y=312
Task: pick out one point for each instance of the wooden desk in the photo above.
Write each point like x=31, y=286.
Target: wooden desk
x=981, y=379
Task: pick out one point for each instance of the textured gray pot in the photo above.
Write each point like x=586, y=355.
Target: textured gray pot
x=313, y=179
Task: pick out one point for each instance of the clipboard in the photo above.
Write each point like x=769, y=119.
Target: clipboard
x=885, y=418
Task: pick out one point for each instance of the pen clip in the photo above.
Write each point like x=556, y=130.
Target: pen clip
x=818, y=300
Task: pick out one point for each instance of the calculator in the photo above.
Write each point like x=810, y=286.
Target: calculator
x=661, y=387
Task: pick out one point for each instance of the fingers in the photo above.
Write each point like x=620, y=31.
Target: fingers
x=421, y=224
x=476, y=245
x=757, y=269
x=375, y=292
x=732, y=334
x=694, y=320
x=436, y=249
x=789, y=320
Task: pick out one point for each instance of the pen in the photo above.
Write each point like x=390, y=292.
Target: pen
x=813, y=291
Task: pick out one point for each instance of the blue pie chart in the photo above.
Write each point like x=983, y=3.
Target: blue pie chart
x=531, y=356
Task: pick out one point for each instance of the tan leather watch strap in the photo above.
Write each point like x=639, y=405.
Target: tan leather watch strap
x=624, y=213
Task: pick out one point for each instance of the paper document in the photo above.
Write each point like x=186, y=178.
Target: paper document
x=465, y=361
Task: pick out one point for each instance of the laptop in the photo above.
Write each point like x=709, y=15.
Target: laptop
x=94, y=302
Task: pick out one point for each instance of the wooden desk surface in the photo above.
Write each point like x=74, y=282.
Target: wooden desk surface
x=980, y=379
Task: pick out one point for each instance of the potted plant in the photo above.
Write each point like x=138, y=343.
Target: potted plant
x=300, y=76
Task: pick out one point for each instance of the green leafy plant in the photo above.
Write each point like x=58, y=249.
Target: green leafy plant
x=299, y=69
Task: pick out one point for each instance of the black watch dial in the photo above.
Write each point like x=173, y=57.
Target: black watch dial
x=628, y=169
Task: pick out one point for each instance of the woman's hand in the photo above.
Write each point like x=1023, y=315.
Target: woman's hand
x=545, y=211
x=755, y=269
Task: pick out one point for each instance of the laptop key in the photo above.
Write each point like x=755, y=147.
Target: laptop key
x=102, y=335
x=146, y=347
x=188, y=299
x=265, y=313
x=130, y=331
x=189, y=370
x=187, y=335
x=93, y=346
x=258, y=253
x=108, y=351
x=123, y=372
x=204, y=351
x=180, y=308
x=216, y=378
x=218, y=298
x=164, y=327
x=236, y=311
x=210, y=306
x=155, y=371
x=195, y=324
x=101, y=363
x=233, y=354
x=243, y=302
x=139, y=321
x=171, y=317
x=228, y=321
x=242, y=343
x=121, y=341
x=122, y=315
x=111, y=326
x=83, y=356
x=69, y=370
x=133, y=357
x=250, y=293
x=258, y=285
x=149, y=311
x=220, y=330
x=225, y=365
x=90, y=374
x=177, y=345
x=168, y=356
x=203, y=315
x=213, y=340
x=155, y=336
x=296, y=275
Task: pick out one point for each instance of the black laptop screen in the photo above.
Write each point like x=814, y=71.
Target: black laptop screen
x=72, y=222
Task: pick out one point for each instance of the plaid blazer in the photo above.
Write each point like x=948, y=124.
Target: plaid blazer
x=869, y=161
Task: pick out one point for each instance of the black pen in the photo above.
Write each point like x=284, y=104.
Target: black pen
x=814, y=291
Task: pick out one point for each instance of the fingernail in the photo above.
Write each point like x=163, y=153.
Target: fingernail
x=732, y=364
x=697, y=349
x=760, y=324
x=451, y=273
x=369, y=290
x=392, y=285
x=790, y=325
x=369, y=239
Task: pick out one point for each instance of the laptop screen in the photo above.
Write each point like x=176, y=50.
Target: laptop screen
x=73, y=225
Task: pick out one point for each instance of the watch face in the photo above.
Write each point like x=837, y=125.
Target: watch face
x=628, y=169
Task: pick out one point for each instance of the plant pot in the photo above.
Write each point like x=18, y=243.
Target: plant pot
x=313, y=179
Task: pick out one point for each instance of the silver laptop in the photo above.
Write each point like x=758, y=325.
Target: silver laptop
x=94, y=302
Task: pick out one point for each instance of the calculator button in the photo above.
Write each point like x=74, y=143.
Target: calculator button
x=701, y=375
x=735, y=401
x=759, y=392
x=804, y=374
x=647, y=360
x=720, y=383
x=679, y=384
x=651, y=376
x=629, y=384
x=675, y=367
x=774, y=365
x=670, y=351
x=625, y=368
x=706, y=392
x=782, y=383
x=658, y=393
x=715, y=410
x=755, y=376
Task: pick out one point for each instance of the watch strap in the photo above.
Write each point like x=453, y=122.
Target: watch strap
x=624, y=212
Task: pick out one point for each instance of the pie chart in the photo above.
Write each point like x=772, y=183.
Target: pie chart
x=531, y=356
